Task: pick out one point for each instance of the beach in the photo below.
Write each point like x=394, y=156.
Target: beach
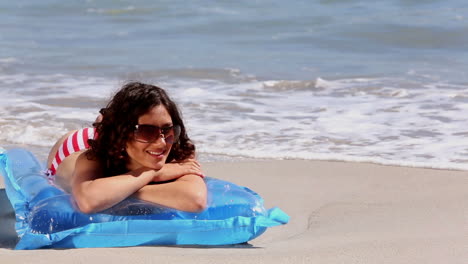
x=350, y=116
x=341, y=212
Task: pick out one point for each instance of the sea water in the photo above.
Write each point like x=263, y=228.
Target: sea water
x=370, y=81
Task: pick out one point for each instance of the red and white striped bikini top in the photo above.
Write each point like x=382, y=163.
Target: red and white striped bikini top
x=75, y=142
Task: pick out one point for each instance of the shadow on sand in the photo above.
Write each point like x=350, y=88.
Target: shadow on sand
x=8, y=237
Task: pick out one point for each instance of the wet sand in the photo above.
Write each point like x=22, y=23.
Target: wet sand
x=340, y=213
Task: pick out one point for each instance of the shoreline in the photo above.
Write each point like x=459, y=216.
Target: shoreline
x=340, y=212
x=42, y=152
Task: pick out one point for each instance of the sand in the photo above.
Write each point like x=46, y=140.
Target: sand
x=340, y=213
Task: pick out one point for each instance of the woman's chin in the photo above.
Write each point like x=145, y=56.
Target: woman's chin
x=156, y=165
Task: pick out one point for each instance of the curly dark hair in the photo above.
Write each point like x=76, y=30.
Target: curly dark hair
x=119, y=119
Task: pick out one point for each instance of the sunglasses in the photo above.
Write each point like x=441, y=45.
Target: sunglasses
x=150, y=133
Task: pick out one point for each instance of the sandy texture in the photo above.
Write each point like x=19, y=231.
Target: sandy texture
x=340, y=213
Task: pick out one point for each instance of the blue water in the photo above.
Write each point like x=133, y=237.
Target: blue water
x=292, y=40
x=349, y=80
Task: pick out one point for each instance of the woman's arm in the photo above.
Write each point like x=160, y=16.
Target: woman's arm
x=187, y=193
x=174, y=170
x=94, y=193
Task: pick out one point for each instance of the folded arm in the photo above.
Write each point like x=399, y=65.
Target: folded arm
x=187, y=193
x=93, y=192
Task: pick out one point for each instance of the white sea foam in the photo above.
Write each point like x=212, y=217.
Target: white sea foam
x=361, y=119
x=404, y=121
x=111, y=11
x=38, y=109
x=8, y=60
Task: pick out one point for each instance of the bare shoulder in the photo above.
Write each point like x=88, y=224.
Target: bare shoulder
x=86, y=169
x=65, y=171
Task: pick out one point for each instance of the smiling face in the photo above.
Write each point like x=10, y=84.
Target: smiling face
x=151, y=155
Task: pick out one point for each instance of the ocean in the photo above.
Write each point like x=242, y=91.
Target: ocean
x=366, y=81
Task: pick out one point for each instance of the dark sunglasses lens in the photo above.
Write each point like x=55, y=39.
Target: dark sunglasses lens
x=171, y=134
x=147, y=133
x=176, y=133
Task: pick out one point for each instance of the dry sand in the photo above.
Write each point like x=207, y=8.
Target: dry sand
x=340, y=213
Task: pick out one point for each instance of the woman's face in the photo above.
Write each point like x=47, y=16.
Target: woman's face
x=151, y=155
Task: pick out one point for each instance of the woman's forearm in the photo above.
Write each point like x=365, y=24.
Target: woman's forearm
x=187, y=193
x=172, y=171
x=94, y=193
x=99, y=194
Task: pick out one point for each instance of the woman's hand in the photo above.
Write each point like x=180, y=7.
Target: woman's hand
x=171, y=171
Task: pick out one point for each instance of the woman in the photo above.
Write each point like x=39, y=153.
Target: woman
x=138, y=148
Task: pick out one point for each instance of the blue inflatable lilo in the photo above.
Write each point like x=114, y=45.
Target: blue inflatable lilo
x=46, y=216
